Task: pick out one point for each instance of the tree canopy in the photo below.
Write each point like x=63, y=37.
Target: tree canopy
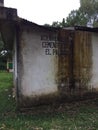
x=86, y=15
x=90, y=9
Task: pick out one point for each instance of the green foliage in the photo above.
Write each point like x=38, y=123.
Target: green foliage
x=76, y=17
x=72, y=116
x=90, y=8
x=4, y=57
x=7, y=102
x=86, y=15
x=5, y=50
x=56, y=24
x=2, y=64
x=5, y=54
x=63, y=23
x=59, y=24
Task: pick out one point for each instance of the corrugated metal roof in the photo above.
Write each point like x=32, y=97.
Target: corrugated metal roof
x=83, y=28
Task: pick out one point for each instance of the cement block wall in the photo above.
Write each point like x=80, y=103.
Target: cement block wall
x=37, y=70
x=45, y=75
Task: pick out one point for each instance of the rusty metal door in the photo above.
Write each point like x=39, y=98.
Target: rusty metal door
x=65, y=61
x=82, y=60
x=74, y=61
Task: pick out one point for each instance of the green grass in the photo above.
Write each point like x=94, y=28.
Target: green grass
x=74, y=116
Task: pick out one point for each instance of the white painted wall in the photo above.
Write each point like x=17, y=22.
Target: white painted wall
x=95, y=61
x=39, y=71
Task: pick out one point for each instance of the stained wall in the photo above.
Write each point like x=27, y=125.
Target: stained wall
x=37, y=63
x=55, y=65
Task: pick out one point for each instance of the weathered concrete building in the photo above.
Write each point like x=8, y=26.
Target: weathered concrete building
x=55, y=64
x=50, y=64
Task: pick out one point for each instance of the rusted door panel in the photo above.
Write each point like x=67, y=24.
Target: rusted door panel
x=65, y=61
x=75, y=63
x=82, y=60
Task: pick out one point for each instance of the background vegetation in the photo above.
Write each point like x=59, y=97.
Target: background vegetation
x=86, y=15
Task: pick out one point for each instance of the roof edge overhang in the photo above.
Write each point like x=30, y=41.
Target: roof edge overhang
x=89, y=29
x=82, y=28
x=24, y=22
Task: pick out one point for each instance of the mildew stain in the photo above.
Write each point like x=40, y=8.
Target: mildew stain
x=75, y=64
